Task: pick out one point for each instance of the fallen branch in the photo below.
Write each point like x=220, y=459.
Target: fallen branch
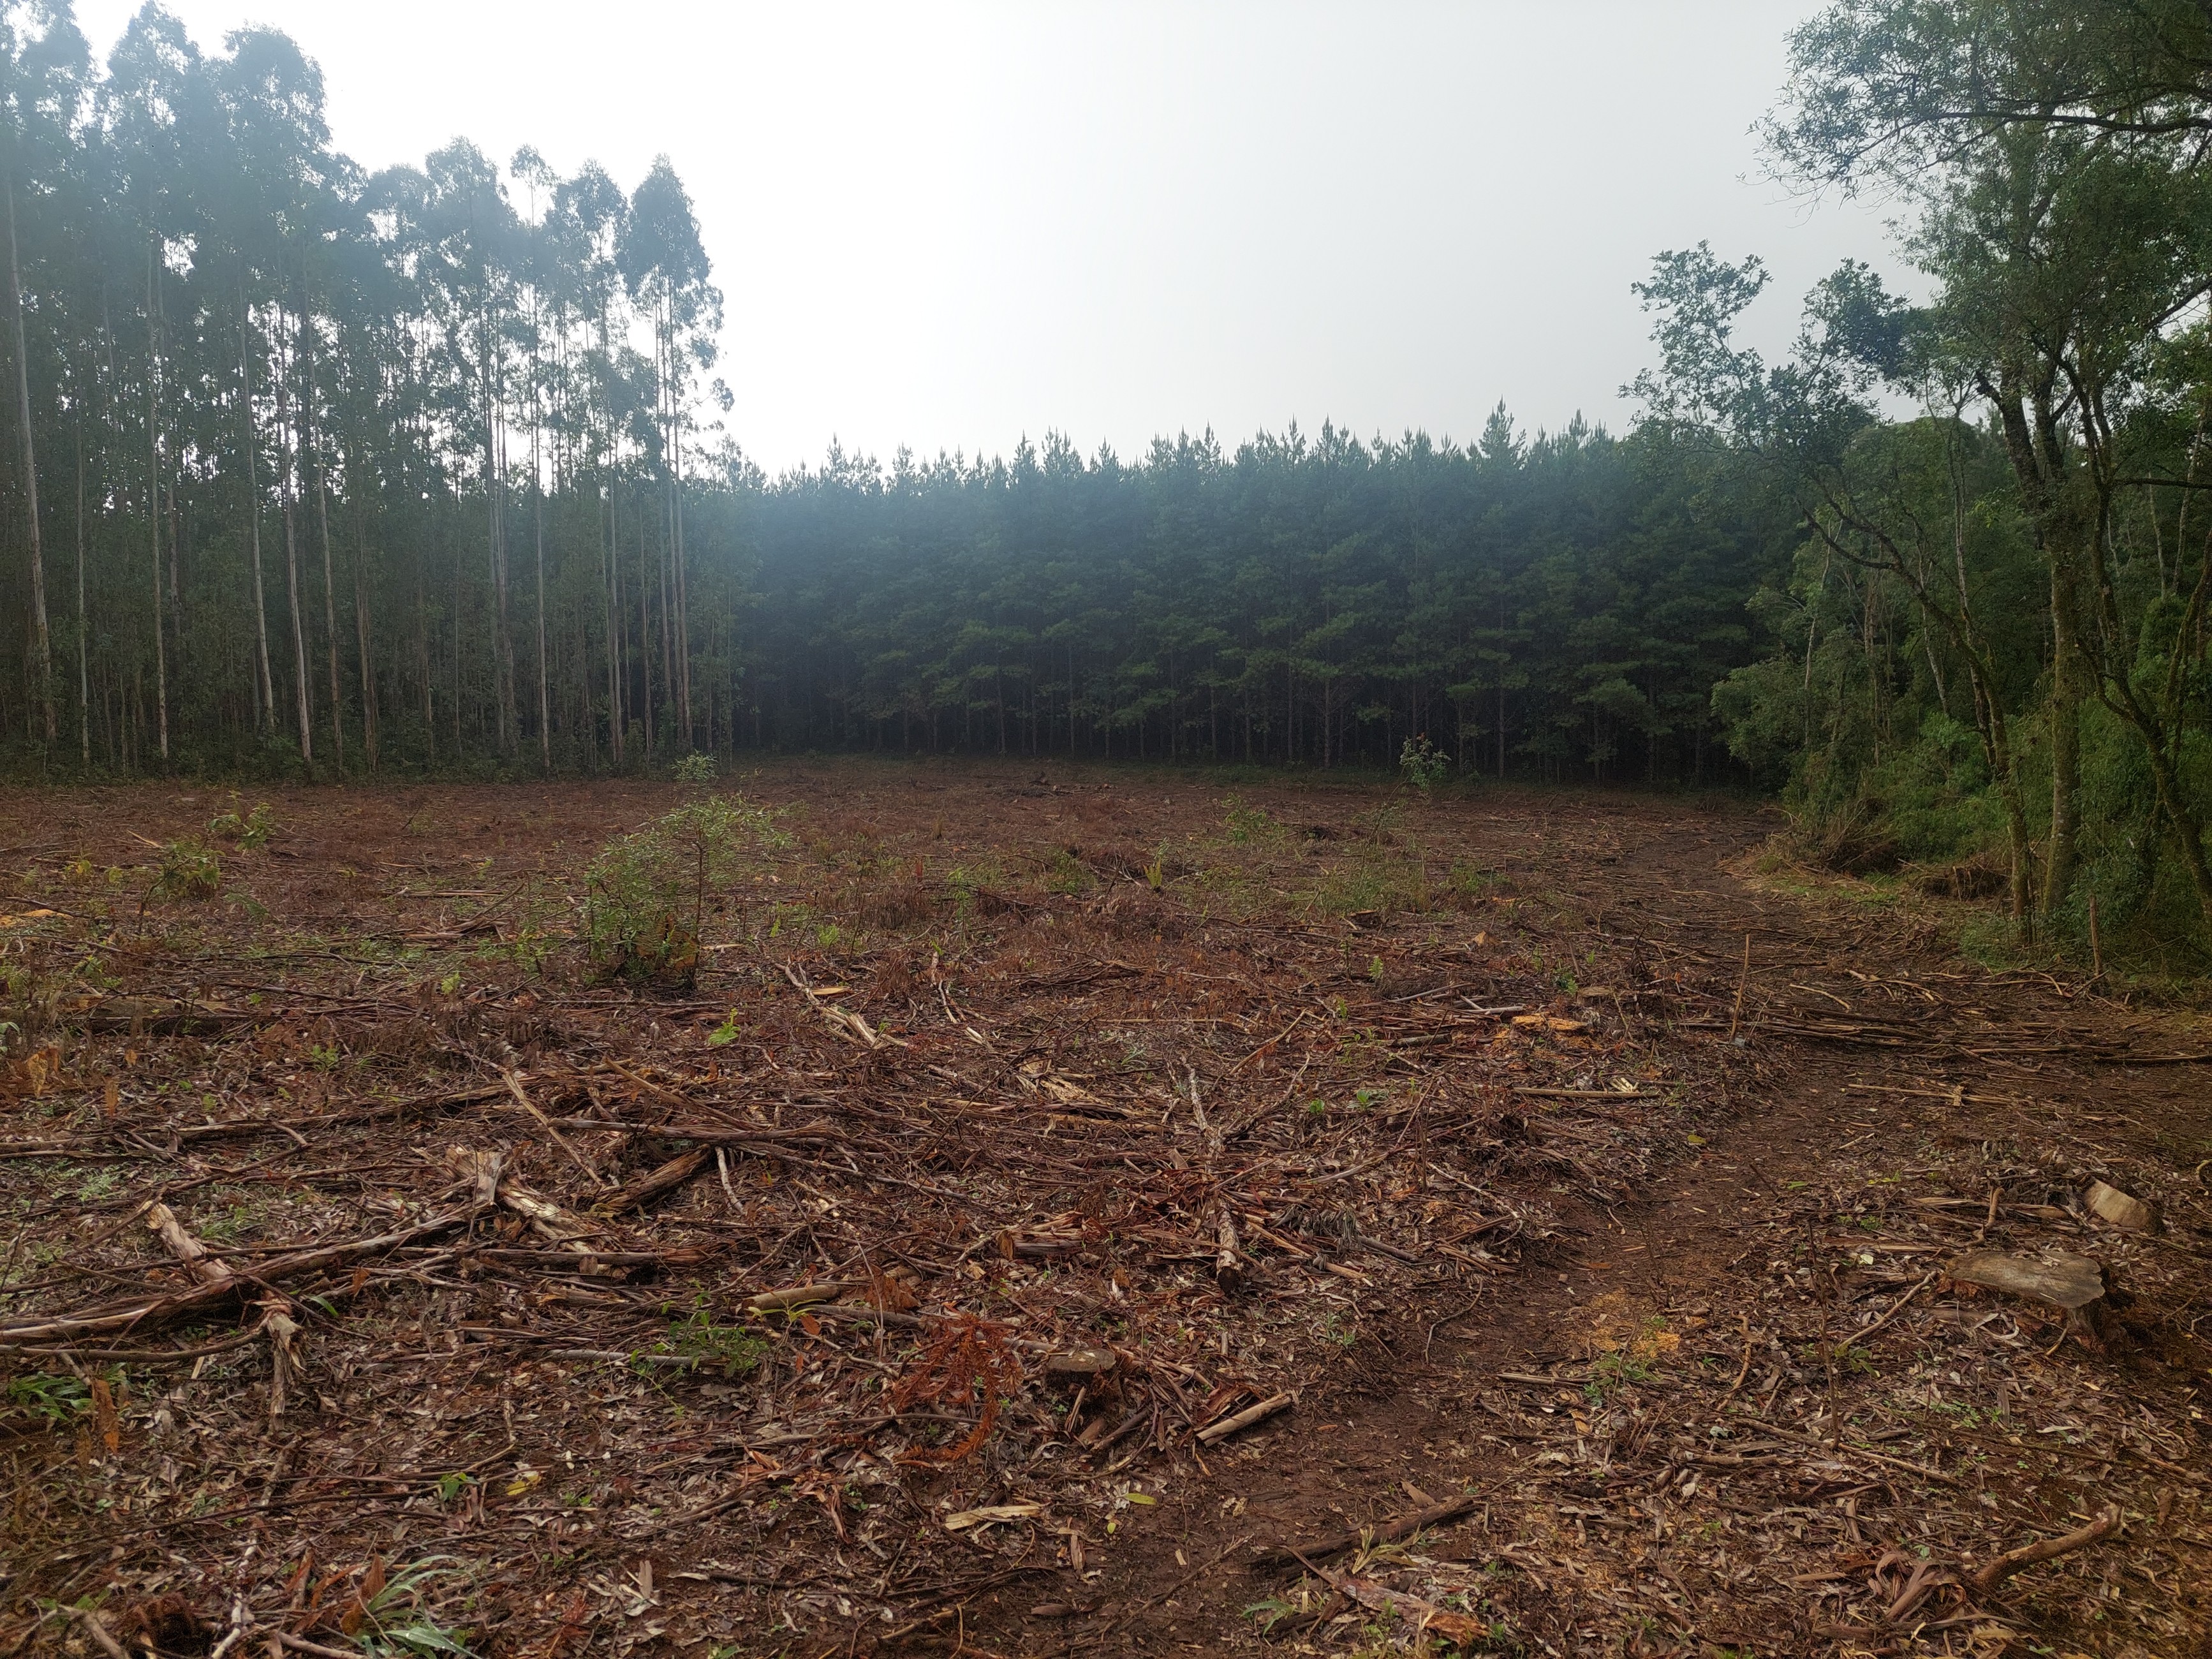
x=514, y=1087
x=1426, y=1615
x=1895, y=1309
x=1386, y=1532
x=1994, y=1571
x=152, y=1312
x=162, y=1221
x=654, y=1182
x=95, y=1628
x=1246, y=1418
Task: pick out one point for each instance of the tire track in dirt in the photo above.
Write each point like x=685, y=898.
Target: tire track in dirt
x=1693, y=1248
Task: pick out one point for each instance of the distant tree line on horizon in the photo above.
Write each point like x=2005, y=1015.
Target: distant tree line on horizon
x=317, y=468
x=308, y=468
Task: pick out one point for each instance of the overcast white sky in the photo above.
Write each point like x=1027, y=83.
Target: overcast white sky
x=949, y=225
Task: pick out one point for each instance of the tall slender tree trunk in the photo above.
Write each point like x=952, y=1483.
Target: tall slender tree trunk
x=545, y=693
x=617, y=680
x=330, y=616
x=664, y=581
x=83, y=623
x=502, y=642
x=683, y=629
x=42, y=657
x=644, y=627
x=287, y=479
x=457, y=652
x=265, y=686
x=2067, y=695
x=310, y=455
x=364, y=659
x=153, y=501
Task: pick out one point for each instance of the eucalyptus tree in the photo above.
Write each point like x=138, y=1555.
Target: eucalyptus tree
x=587, y=223
x=665, y=265
x=44, y=66
x=154, y=114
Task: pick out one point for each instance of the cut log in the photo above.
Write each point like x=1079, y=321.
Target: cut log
x=1079, y=1365
x=2071, y=1282
x=2124, y=1210
x=2074, y=1284
x=551, y=1221
x=801, y=1296
x=1227, y=1274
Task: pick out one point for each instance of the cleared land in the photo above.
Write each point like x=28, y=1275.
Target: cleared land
x=930, y=1273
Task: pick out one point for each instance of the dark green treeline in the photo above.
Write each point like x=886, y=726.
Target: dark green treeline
x=1559, y=607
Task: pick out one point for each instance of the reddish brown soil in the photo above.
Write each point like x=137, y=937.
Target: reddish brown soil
x=1626, y=1322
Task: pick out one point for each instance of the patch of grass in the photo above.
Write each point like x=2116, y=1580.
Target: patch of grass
x=56, y=1399
x=393, y=1616
x=699, y=1340
x=1250, y=823
x=99, y=1183
x=237, y=1217
x=1375, y=874
x=30, y=1001
x=1068, y=875
x=1611, y=1372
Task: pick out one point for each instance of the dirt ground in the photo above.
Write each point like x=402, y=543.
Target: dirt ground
x=1073, y=1212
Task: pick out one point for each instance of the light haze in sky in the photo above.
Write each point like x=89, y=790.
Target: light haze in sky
x=948, y=226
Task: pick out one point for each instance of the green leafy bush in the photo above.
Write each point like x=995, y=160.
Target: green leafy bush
x=647, y=894
x=1424, y=765
x=693, y=768
x=189, y=869
x=252, y=830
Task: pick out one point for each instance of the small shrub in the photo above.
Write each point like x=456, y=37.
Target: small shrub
x=252, y=830
x=189, y=869
x=646, y=894
x=1854, y=841
x=693, y=768
x=1069, y=876
x=1984, y=874
x=1424, y=765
